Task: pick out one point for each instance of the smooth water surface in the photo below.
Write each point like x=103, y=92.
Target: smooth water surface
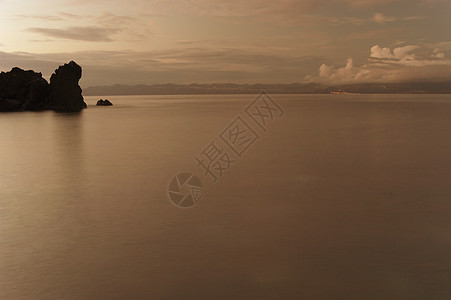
x=345, y=197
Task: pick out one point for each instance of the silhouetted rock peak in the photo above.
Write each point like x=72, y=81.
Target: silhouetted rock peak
x=105, y=102
x=28, y=90
x=65, y=93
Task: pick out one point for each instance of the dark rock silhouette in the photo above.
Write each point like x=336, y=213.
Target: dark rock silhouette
x=22, y=90
x=105, y=102
x=27, y=90
x=65, y=93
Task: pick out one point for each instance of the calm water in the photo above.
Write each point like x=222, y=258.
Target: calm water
x=346, y=197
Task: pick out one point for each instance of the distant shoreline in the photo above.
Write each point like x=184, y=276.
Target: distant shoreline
x=294, y=88
x=231, y=94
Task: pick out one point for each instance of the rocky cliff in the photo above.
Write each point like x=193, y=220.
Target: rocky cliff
x=27, y=90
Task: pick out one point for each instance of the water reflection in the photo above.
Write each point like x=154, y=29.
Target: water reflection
x=69, y=146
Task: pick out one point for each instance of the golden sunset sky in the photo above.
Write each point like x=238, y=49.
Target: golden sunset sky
x=246, y=41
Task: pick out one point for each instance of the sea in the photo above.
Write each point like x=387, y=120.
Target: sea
x=228, y=197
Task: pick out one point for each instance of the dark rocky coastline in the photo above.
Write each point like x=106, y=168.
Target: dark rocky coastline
x=22, y=90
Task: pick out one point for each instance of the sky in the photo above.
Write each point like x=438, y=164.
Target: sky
x=238, y=41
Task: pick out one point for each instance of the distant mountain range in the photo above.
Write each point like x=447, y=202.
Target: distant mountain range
x=293, y=88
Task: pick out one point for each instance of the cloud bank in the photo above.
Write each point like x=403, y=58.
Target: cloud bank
x=88, y=33
x=406, y=63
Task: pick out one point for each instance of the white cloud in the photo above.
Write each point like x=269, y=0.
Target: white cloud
x=379, y=52
x=436, y=53
x=400, y=53
x=346, y=73
x=387, y=65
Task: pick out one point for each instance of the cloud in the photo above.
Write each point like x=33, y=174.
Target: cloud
x=412, y=18
x=343, y=74
x=381, y=19
x=39, y=17
x=376, y=18
x=442, y=46
x=370, y=35
x=68, y=15
x=369, y=3
x=98, y=27
x=88, y=33
x=400, y=53
x=347, y=20
x=282, y=10
x=387, y=65
x=109, y=19
x=436, y=53
x=433, y=2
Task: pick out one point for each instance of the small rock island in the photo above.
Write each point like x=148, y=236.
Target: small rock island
x=22, y=90
x=105, y=102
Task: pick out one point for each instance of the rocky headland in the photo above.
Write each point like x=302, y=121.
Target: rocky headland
x=22, y=90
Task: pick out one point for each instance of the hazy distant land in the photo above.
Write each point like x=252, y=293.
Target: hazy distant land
x=293, y=88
